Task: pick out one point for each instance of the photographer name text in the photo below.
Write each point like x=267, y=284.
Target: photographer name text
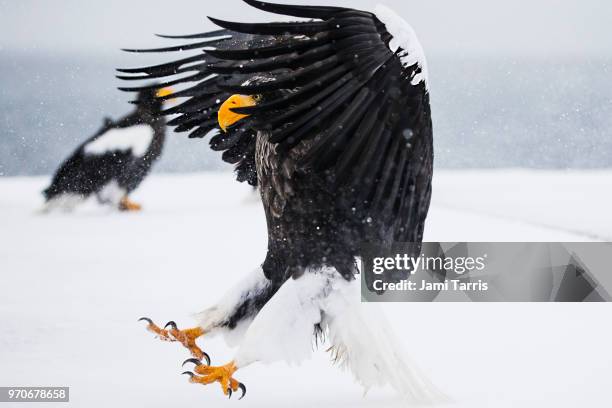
x=427, y=286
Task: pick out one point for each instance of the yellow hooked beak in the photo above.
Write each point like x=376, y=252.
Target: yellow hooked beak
x=164, y=92
x=226, y=116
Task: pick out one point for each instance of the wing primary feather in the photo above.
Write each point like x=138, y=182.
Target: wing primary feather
x=209, y=34
x=273, y=28
x=352, y=20
x=355, y=30
x=382, y=143
x=203, y=129
x=389, y=165
x=319, y=12
x=191, y=78
x=208, y=87
x=188, y=121
x=326, y=148
x=235, y=154
x=373, y=165
x=181, y=47
x=400, y=175
x=405, y=201
x=322, y=111
x=308, y=104
x=348, y=13
x=283, y=81
x=166, y=67
x=224, y=141
x=347, y=159
x=393, y=209
x=190, y=68
x=301, y=94
x=197, y=104
x=367, y=39
x=293, y=60
x=270, y=51
x=370, y=146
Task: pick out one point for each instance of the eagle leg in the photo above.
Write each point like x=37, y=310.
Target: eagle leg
x=127, y=205
x=222, y=374
x=186, y=337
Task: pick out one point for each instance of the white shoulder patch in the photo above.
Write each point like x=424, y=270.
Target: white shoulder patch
x=135, y=138
x=404, y=37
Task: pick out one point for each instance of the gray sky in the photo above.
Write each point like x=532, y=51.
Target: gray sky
x=449, y=27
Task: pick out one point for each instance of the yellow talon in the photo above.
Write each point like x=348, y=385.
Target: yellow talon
x=223, y=374
x=186, y=337
x=163, y=334
x=126, y=205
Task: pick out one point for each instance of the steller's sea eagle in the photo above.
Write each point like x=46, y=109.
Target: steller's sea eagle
x=330, y=118
x=113, y=162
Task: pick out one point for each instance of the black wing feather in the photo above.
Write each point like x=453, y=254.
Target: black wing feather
x=333, y=80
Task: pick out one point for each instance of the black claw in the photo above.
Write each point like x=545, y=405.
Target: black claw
x=207, y=358
x=189, y=373
x=229, y=393
x=146, y=319
x=171, y=323
x=243, y=388
x=192, y=360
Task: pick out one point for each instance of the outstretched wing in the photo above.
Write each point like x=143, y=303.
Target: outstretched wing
x=203, y=92
x=353, y=82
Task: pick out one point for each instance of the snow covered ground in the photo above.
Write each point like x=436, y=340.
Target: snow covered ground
x=73, y=285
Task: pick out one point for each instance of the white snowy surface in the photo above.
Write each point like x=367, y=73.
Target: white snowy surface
x=73, y=285
x=136, y=138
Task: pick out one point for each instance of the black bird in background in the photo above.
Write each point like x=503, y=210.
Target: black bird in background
x=113, y=162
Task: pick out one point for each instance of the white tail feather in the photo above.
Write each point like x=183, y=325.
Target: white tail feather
x=361, y=338
x=364, y=342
